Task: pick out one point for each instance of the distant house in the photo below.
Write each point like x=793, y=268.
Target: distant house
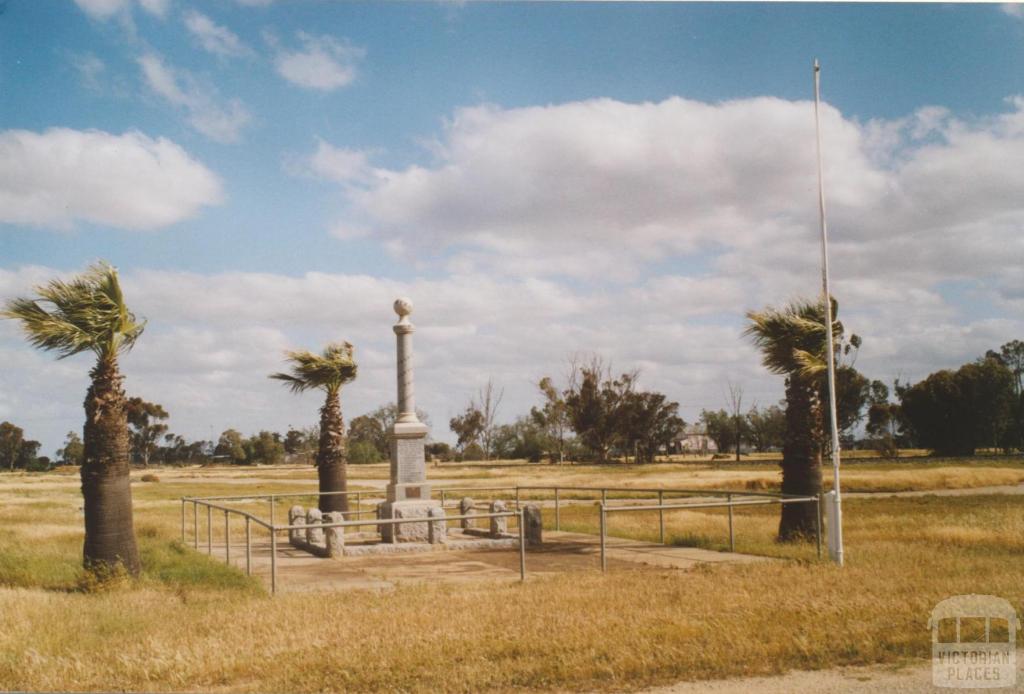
x=695, y=439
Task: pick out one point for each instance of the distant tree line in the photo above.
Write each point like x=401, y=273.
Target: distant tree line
x=596, y=417
x=19, y=453
x=955, y=412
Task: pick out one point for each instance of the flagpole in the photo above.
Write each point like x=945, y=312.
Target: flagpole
x=835, y=532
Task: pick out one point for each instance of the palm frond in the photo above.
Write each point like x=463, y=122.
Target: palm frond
x=792, y=339
x=296, y=385
x=329, y=370
x=87, y=312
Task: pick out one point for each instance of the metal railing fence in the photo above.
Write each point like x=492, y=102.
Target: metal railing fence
x=518, y=494
x=730, y=503
x=274, y=529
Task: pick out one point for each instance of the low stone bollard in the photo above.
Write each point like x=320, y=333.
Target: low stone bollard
x=314, y=535
x=383, y=530
x=296, y=516
x=335, y=537
x=533, y=525
x=466, y=508
x=438, y=525
x=499, y=526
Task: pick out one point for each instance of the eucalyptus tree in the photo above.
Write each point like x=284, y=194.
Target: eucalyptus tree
x=327, y=371
x=88, y=314
x=793, y=343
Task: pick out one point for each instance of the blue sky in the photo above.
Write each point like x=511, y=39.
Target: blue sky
x=542, y=179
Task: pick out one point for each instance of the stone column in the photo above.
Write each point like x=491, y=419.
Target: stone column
x=406, y=384
x=408, y=435
x=408, y=494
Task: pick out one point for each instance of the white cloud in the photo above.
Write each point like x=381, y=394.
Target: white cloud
x=338, y=164
x=157, y=8
x=633, y=181
x=90, y=70
x=323, y=63
x=221, y=121
x=213, y=37
x=105, y=9
x=602, y=189
x=212, y=339
x=62, y=176
x=1014, y=9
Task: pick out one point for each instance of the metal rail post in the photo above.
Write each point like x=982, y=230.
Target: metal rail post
x=817, y=523
x=195, y=524
x=273, y=561
x=248, y=546
x=732, y=536
x=522, y=547
x=604, y=561
x=517, y=498
x=558, y=515
x=604, y=496
x=209, y=529
x=271, y=509
x=227, y=539
x=182, y=520
x=442, y=498
x=661, y=516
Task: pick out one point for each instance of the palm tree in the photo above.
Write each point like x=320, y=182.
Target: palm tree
x=792, y=341
x=329, y=371
x=88, y=313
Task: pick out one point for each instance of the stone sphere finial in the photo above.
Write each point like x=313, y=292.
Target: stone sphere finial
x=403, y=307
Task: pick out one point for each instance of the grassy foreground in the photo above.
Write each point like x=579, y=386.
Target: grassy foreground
x=191, y=624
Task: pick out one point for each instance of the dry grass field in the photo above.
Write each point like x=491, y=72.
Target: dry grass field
x=192, y=624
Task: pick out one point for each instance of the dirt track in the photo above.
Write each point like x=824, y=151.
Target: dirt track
x=913, y=679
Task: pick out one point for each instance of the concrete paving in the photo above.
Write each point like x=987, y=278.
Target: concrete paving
x=561, y=552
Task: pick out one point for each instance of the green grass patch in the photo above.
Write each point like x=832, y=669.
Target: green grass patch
x=172, y=564
x=55, y=564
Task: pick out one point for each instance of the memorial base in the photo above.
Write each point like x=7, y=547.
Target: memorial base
x=406, y=532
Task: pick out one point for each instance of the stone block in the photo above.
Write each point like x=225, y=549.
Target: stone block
x=499, y=526
x=533, y=525
x=296, y=516
x=466, y=508
x=314, y=535
x=408, y=532
x=438, y=525
x=334, y=537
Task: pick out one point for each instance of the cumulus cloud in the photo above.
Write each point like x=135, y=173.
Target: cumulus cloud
x=603, y=189
x=637, y=181
x=337, y=164
x=213, y=37
x=219, y=120
x=61, y=176
x=323, y=63
x=211, y=340
x=640, y=231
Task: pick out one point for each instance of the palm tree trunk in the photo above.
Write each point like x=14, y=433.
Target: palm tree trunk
x=801, y=459
x=331, y=457
x=106, y=487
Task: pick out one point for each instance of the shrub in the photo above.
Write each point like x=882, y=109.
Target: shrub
x=473, y=452
x=363, y=453
x=150, y=477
